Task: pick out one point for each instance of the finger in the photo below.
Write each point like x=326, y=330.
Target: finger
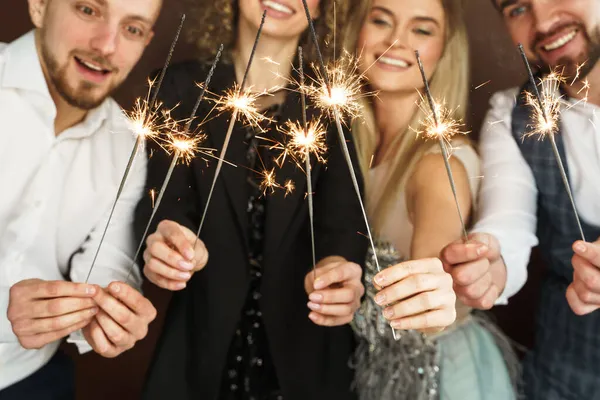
x=589, y=251
x=97, y=339
x=28, y=327
x=584, y=293
x=332, y=310
x=460, y=252
x=428, y=320
x=174, y=234
x=576, y=304
x=469, y=273
x=161, y=252
x=485, y=302
x=118, y=336
x=133, y=299
x=120, y=313
x=201, y=255
x=333, y=296
x=342, y=272
x=42, y=339
x=162, y=282
x=587, y=273
x=403, y=270
x=324, y=320
x=420, y=303
x=60, y=306
x=477, y=289
x=414, y=284
x=53, y=289
x=160, y=268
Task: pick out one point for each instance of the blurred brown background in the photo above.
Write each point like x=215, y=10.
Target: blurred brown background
x=495, y=66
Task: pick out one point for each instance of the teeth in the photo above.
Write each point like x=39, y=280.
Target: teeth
x=277, y=7
x=90, y=66
x=561, y=41
x=393, y=61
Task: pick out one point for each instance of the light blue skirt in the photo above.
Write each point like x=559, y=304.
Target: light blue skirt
x=472, y=366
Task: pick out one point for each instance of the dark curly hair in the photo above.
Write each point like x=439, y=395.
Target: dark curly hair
x=214, y=22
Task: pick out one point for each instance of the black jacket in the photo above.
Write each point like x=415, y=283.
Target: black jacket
x=312, y=362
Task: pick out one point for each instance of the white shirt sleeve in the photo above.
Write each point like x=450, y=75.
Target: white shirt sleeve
x=115, y=259
x=508, y=197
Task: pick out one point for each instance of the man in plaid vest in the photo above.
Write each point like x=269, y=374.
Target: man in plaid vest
x=524, y=203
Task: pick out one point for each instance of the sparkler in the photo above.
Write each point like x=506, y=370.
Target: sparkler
x=143, y=127
x=338, y=99
x=242, y=102
x=442, y=129
x=546, y=111
x=183, y=147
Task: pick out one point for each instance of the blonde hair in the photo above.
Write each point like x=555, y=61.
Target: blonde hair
x=448, y=83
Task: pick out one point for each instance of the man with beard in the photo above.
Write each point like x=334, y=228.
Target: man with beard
x=523, y=201
x=65, y=145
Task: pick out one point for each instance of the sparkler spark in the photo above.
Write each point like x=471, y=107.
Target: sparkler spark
x=242, y=101
x=439, y=125
x=546, y=112
x=289, y=187
x=268, y=182
x=302, y=144
x=152, y=196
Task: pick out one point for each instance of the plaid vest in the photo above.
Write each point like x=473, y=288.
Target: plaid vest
x=565, y=361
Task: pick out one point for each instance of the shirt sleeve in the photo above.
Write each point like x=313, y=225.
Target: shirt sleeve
x=6, y=333
x=508, y=198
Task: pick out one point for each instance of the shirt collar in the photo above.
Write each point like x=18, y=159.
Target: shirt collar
x=23, y=70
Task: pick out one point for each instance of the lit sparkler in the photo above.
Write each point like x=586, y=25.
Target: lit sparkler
x=240, y=102
x=441, y=127
x=144, y=118
x=184, y=147
x=546, y=111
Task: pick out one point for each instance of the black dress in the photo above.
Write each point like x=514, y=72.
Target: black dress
x=258, y=254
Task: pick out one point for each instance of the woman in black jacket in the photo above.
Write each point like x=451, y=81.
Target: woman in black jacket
x=249, y=322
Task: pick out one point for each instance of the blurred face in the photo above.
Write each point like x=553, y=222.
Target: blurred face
x=88, y=47
x=392, y=32
x=556, y=33
x=285, y=18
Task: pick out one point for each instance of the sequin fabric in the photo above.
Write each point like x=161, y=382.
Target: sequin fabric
x=388, y=369
x=250, y=373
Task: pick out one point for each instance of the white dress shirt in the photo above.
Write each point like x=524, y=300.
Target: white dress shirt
x=508, y=197
x=57, y=192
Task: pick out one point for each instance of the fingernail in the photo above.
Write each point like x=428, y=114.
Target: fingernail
x=380, y=298
x=180, y=285
x=316, y=297
x=189, y=254
x=388, y=312
x=580, y=247
x=481, y=250
x=184, y=275
x=90, y=290
x=397, y=324
x=313, y=317
x=380, y=280
x=115, y=288
x=314, y=306
x=319, y=284
x=93, y=311
x=186, y=265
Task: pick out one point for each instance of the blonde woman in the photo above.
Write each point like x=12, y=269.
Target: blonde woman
x=412, y=210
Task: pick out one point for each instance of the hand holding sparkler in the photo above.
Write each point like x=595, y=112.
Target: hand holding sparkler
x=334, y=292
x=546, y=112
x=583, y=294
x=172, y=255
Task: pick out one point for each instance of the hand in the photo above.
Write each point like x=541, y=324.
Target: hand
x=122, y=320
x=42, y=312
x=170, y=256
x=583, y=294
x=335, y=293
x=417, y=295
x=477, y=269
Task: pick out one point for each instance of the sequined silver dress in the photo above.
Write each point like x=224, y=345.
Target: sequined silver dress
x=386, y=369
